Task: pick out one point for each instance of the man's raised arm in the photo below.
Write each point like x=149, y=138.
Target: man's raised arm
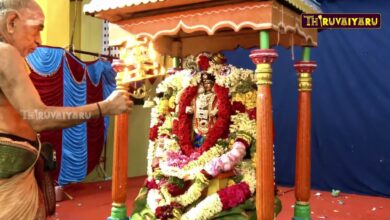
x=21, y=93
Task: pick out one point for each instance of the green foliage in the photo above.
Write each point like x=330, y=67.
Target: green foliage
x=168, y=93
x=158, y=175
x=278, y=205
x=223, y=143
x=252, y=148
x=178, y=182
x=245, y=86
x=245, y=211
x=238, y=178
x=140, y=202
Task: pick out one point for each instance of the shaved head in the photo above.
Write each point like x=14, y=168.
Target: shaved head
x=19, y=5
x=21, y=22
x=14, y=4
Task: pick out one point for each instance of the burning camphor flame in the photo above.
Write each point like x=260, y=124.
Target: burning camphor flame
x=140, y=60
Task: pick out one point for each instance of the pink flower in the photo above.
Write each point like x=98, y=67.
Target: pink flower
x=151, y=184
x=234, y=195
x=211, y=167
x=194, y=156
x=177, y=159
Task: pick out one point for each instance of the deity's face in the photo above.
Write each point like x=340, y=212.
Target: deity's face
x=208, y=85
x=207, y=82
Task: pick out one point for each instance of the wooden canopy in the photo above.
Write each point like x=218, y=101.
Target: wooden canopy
x=184, y=27
x=180, y=28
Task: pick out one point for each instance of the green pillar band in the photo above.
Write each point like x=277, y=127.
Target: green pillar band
x=302, y=212
x=176, y=62
x=264, y=40
x=118, y=212
x=306, y=53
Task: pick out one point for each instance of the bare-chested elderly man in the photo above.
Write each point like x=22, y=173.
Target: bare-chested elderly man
x=21, y=22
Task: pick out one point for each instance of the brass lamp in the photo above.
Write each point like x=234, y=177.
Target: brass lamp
x=137, y=63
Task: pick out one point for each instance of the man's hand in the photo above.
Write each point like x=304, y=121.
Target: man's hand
x=117, y=103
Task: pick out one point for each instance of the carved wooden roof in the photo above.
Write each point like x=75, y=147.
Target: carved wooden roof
x=183, y=27
x=95, y=7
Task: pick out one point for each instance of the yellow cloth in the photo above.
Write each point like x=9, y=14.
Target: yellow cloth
x=19, y=197
x=221, y=181
x=217, y=184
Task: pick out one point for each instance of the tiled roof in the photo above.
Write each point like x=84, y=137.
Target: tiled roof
x=103, y=5
x=306, y=6
x=96, y=6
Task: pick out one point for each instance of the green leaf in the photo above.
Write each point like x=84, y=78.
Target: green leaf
x=238, y=178
x=147, y=215
x=244, y=211
x=136, y=216
x=140, y=201
x=222, y=142
x=278, y=205
x=177, y=181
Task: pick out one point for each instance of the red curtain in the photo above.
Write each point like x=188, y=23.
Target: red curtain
x=51, y=90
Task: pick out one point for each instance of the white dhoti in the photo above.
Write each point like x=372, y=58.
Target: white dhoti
x=19, y=195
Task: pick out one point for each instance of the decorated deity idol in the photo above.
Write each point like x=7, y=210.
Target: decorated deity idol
x=201, y=144
x=203, y=108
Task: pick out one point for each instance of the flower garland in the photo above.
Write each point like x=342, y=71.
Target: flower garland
x=219, y=129
x=181, y=79
x=227, y=161
x=150, y=156
x=226, y=198
x=233, y=78
x=240, y=191
x=192, y=194
x=153, y=199
x=248, y=172
x=193, y=167
x=206, y=209
x=159, y=200
x=171, y=153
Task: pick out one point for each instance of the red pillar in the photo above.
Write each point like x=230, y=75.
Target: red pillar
x=265, y=196
x=303, y=148
x=120, y=158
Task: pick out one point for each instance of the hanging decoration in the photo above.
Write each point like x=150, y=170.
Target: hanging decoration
x=63, y=80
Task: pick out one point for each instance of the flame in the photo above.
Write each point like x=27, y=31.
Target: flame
x=140, y=59
x=152, y=52
x=122, y=53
